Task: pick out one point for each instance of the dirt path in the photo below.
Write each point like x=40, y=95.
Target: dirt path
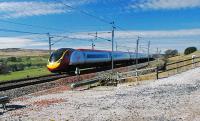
x=171, y=99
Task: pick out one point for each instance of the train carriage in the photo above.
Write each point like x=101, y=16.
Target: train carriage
x=67, y=59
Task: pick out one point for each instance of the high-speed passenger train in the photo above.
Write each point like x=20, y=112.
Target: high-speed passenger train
x=68, y=59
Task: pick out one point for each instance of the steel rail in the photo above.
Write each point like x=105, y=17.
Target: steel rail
x=30, y=81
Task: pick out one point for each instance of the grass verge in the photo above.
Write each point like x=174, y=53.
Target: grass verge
x=24, y=74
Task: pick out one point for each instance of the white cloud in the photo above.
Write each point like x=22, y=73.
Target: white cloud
x=34, y=8
x=22, y=9
x=144, y=34
x=168, y=39
x=165, y=4
x=14, y=42
x=159, y=34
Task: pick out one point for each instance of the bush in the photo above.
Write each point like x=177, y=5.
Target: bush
x=4, y=68
x=171, y=53
x=19, y=59
x=190, y=50
x=14, y=59
x=28, y=58
x=3, y=60
x=20, y=67
x=17, y=67
x=29, y=65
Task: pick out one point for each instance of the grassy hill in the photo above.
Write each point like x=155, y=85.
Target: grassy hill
x=23, y=63
x=18, y=52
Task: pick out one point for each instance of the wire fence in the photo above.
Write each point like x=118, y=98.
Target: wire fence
x=153, y=73
x=136, y=73
x=178, y=67
x=163, y=71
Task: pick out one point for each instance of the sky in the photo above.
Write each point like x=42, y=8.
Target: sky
x=167, y=24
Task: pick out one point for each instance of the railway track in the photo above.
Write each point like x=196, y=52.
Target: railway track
x=13, y=84
x=30, y=81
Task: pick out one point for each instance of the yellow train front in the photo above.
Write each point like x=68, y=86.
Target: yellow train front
x=67, y=59
x=58, y=60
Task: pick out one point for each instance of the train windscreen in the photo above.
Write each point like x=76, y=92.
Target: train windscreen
x=56, y=55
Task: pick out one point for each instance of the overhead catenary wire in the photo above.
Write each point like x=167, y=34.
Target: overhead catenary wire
x=69, y=6
x=90, y=15
x=23, y=32
x=35, y=26
x=50, y=28
x=83, y=12
x=101, y=38
x=35, y=33
x=29, y=25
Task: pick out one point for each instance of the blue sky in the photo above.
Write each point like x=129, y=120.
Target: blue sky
x=168, y=24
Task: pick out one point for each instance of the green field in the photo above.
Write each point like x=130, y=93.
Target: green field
x=19, y=67
x=32, y=67
x=24, y=74
x=34, y=60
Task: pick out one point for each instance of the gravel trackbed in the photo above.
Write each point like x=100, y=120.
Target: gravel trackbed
x=176, y=98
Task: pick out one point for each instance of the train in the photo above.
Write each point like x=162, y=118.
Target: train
x=69, y=59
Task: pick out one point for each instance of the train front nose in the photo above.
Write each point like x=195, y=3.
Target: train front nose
x=55, y=60
x=53, y=66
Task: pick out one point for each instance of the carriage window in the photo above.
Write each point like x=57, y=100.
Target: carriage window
x=97, y=56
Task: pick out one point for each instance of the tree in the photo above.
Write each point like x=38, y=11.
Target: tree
x=190, y=50
x=171, y=53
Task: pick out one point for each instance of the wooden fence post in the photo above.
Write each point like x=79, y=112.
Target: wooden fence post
x=193, y=61
x=136, y=75
x=157, y=72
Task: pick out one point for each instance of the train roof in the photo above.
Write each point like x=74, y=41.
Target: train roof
x=81, y=49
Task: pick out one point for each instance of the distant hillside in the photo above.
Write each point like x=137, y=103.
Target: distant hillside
x=23, y=52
